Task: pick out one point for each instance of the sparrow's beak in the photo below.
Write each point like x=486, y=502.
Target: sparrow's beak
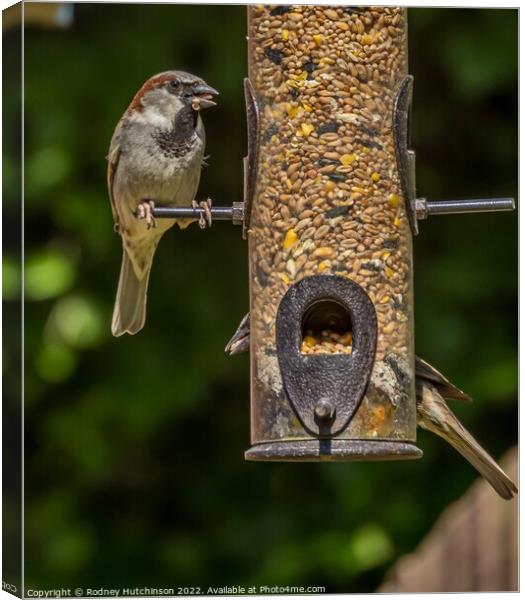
x=204, y=93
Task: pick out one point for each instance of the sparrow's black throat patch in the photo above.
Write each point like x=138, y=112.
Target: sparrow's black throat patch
x=178, y=140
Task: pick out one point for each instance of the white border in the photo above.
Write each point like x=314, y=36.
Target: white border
x=421, y=3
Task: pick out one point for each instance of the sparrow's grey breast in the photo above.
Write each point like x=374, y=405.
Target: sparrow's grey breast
x=160, y=161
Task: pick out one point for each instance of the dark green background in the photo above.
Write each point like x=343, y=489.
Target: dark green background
x=134, y=446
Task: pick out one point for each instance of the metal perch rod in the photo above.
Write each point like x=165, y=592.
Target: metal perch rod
x=445, y=207
x=424, y=208
x=218, y=213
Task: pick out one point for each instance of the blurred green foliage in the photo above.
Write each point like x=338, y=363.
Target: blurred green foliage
x=134, y=446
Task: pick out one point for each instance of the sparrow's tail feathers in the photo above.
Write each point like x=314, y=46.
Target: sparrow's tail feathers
x=485, y=464
x=129, y=313
x=451, y=430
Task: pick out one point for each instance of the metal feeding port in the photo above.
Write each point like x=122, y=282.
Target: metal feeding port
x=330, y=211
x=325, y=390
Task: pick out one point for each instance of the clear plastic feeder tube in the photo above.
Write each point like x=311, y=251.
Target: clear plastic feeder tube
x=328, y=201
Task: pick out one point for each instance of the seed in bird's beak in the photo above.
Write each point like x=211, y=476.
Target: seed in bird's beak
x=203, y=95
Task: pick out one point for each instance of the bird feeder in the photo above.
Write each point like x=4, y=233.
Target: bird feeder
x=329, y=212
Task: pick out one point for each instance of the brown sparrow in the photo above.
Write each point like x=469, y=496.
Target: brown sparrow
x=155, y=158
x=433, y=414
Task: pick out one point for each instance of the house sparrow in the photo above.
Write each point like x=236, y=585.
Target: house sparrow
x=155, y=158
x=433, y=414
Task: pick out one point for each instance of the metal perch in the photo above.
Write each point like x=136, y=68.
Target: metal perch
x=424, y=209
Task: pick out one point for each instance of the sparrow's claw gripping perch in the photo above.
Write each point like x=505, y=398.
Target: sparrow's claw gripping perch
x=205, y=219
x=206, y=206
x=145, y=211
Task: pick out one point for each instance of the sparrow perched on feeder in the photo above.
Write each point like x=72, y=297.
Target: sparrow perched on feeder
x=433, y=414
x=155, y=158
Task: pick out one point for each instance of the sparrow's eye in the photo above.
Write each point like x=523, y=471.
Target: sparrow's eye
x=174, y=84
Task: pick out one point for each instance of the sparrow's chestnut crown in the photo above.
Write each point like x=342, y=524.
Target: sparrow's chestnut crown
x=179, y=83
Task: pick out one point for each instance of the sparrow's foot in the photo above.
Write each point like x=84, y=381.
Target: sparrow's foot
x=145, y=211
x=205, y=219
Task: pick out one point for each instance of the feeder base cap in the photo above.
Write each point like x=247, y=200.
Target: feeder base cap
x=332, y=450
